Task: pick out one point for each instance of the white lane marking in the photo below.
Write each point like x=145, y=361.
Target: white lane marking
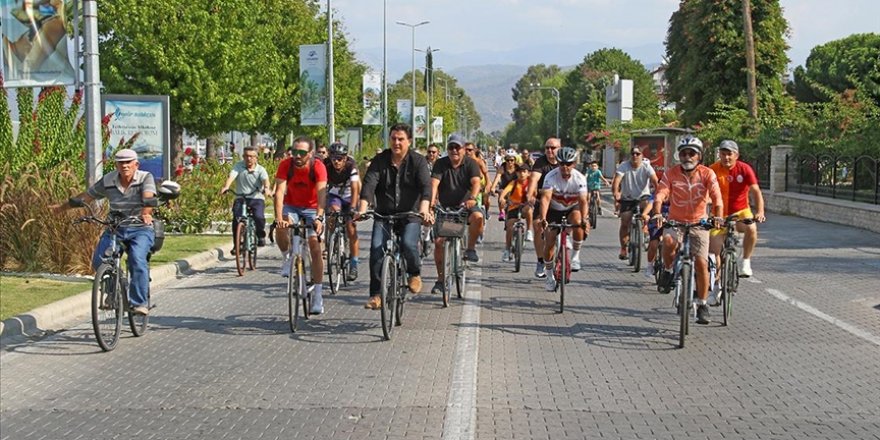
x=753, y=280
x=461, y=403
x=868, y=336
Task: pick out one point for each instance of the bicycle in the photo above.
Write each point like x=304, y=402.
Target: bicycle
x=451, y=225
x=519, y=232
x=637, y=242
x=245, y=235
x=110, y=301
x=729, y=273
x=427, y=242
x=338, y=258
x=595, y=207
x=300, y=257
x=561, y=258
x=683, y=278
x=393, y=286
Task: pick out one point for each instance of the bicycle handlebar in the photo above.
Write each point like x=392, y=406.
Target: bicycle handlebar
x=705, y=224
x=396, y=216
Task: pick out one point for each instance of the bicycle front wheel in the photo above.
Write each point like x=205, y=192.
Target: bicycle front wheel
x=293, y=296
x=562, y=270
x=636, y=245
x=517, y=248
x=240, y=247
x=684, y=301
x=729, y=280
x=334, y=272
x=388, y=292
x=448, y=270
x=107, y=307
x=594, y=208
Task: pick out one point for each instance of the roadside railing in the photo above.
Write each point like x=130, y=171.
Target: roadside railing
x=761, y=165
x=840, y=177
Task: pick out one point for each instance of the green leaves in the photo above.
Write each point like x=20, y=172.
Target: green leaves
x=834, y=67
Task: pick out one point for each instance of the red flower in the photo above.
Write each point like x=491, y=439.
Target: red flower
x=194, y=161
x=188, y=151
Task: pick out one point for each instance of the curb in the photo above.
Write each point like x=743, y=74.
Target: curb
x=56, y=316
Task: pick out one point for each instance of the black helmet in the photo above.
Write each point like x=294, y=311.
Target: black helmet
x=338, y=148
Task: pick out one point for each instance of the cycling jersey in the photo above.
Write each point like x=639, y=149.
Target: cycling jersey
x=339, y=182
x=735, y=183
x=566, y=192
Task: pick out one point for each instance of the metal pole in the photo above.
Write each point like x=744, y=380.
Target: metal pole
x=557, y=111
x=92, y=93
x=413, y=73
x=384, y=74
x=331, y=111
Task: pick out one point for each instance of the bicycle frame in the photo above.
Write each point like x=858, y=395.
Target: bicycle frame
x=455, y=268
x=300, y=256
x=561, y=259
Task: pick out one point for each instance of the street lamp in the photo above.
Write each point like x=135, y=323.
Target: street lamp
x=413, y=105
x=429, y=88
x=537, y=86
x=331, y=111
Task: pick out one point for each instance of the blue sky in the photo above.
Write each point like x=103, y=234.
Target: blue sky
x=526, y=32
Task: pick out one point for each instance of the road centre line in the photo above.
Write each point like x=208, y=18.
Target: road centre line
x=868, y=336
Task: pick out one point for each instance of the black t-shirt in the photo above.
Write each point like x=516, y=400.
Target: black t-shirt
x=455, y=183
x=505, y=179
x=340, y=179
x=543, y=166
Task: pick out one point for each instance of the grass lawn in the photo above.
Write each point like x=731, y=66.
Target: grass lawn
x=20, y=294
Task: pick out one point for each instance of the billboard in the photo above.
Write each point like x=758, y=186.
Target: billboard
x=147, y=118
x=38, y=43
x=404, y=111
x=313, y=84
x=372, y=90
x=437, y=130
x=420, y=130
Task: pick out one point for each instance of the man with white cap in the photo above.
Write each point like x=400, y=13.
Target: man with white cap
x=127, y=189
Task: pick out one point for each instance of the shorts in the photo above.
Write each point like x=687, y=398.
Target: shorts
x=628, y=205
x=334, y=200
x=308, y=213
x=699, y=240
x=744, y=214
x=654, y=231
x=554, y=216
x=513, y=213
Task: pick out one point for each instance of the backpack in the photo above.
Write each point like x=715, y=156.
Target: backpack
x=312, y=176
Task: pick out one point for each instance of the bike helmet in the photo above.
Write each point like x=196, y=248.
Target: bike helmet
x=338, y=148
x=691, y=142
x=566, y=155
x=511, y=153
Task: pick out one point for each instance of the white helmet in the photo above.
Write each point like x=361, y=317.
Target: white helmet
x=511, y=153
x=692, y=143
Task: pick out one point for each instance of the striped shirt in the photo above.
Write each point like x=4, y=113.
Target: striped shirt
x=129, y=201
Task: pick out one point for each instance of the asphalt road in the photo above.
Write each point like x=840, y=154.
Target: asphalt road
x=801, y=358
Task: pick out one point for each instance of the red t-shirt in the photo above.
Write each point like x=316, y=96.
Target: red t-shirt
x=735, y=184
x=301, y=191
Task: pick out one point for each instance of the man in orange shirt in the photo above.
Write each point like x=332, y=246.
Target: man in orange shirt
x=688, y=186
x=737, y=180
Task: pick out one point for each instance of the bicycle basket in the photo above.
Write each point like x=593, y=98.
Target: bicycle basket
x=449, y=225
x=159, y=229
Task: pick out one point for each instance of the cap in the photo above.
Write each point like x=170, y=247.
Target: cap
x=125, y=155
x=729, y=146
x=456, y=139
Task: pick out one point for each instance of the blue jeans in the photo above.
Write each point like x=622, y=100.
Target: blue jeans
x=410, y=233
x=137, y=242
x=258, y=210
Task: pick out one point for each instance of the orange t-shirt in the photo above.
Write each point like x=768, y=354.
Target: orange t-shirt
x=688, y=195
x=517, y=194
x=735, y=184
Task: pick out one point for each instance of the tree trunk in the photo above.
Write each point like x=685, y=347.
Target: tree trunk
x=750, y=60
x=176, y=146
x=211, y=144
x=254, y=140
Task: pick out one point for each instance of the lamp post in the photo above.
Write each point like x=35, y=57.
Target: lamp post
x=429, y=89
x=331, y=111
x=413, y=79
x=537, y=86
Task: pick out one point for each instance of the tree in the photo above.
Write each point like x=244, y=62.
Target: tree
x=534, y=117
x=705, y=50
x=851, y=63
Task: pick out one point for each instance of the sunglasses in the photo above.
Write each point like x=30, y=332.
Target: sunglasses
x=550, y=148
x=299, y=153
x=566, y=164
x=433, y=152
x=337, y=158
x=453, y=147
x=687, y=153
x=469, y=150
x=636, y=153
x=510, y=160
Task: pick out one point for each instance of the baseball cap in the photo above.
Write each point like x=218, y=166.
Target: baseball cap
x=729, y=146
x=125, y=155
x=456, y=139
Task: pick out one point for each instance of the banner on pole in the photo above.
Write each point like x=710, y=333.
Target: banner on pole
x=372, y=90
x=420, y=130
x=148, y=118
x=313, y=84
x=404, y=111
x=437, y=130
x=37, y=48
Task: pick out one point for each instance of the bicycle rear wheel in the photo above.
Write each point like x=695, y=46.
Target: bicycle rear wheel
x=107, y=307
x=240, y=247
x=517, y=248
x=334, y=272
x=400, y=296
x=388, y=292
x=636, y=245
x=729, y=279
x=293, y=296
x=684, y=303
x=137, y=323
x=252, y=247
x=448, y=270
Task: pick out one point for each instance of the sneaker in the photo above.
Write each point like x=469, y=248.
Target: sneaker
x=261, y=242
x=624, y=255
x=285, y=265
x=530, y=236
x=438, y=288
x=501, y=216
x=415, y=284
x=141, y=310
x=568, y=243
x=665, y=283
x=505, y=256
x=703, y=314
x=374, y=303
x=539, y=270
x=649, y=270
x=550, y=283
x=714, y=297
x=480, y=239
x=352, y=272
x=317, y=304
x=471, y=255
x=746, y=270
x=575, y=264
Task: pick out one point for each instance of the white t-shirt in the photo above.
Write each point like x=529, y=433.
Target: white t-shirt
x=566, y=192
x=635, y=182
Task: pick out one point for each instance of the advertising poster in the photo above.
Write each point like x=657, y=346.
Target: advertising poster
x=653, y=149
x=437, y=130
x=404, y=111
x=372, y=90
x=38, y=43
x=147, y=119
x=420, y=130
x=313, y=84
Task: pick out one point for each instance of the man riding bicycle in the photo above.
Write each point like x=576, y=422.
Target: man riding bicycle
x=456, y=182
x=249, y=178
x=632, y=182
x=344, y=188
x=127, y=189
x=396, y=182
x=737, y=180
x=301, y=190
x=688, y=186
x=541, y=167
x=564, y=195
